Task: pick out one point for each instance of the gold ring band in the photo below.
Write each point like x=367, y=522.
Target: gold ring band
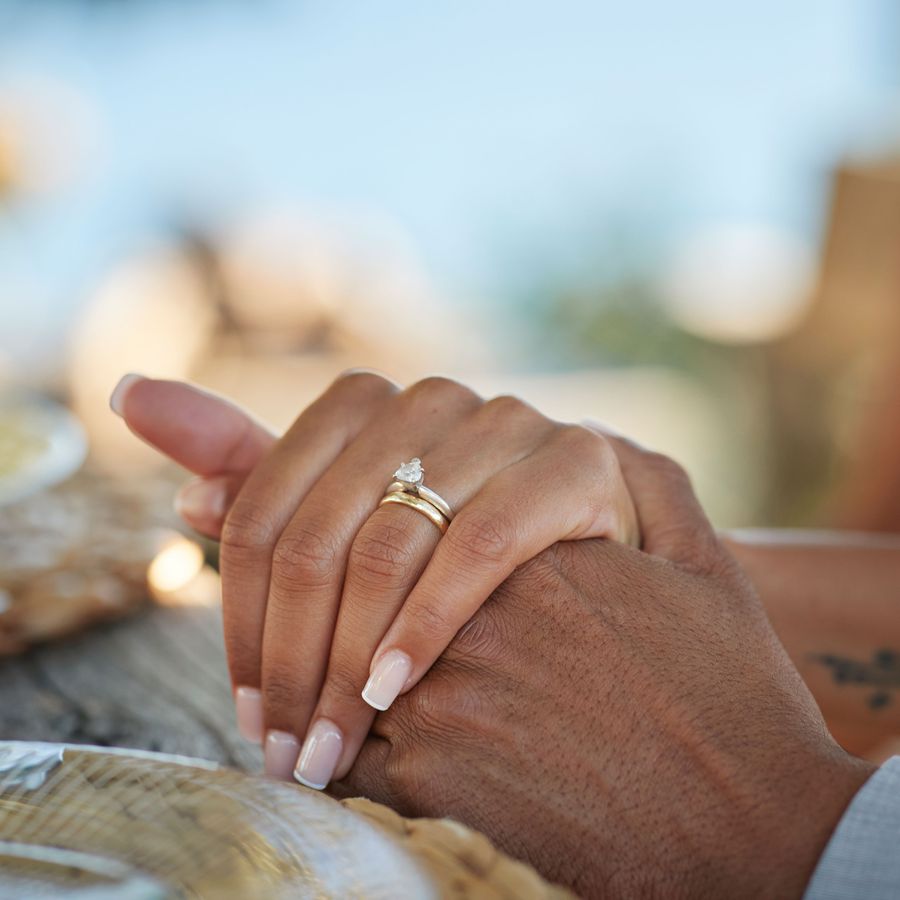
x=419, y=490
x=417, y=503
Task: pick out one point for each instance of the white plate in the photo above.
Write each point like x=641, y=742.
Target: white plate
x=41, y=443
x=146, y=826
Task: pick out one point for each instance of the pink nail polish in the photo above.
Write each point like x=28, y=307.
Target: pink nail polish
x=249, y=709
x=281, y=754
x=320, y=754
x=391, y=672
x=201, y=498
x=117, y=397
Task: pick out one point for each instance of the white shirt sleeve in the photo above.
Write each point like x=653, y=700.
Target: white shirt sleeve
x=862, y=859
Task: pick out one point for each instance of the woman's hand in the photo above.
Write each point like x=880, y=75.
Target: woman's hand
x=328, y=595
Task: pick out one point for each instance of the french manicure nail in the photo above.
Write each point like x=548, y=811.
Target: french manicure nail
x=391, y=672
x=281, y=754
x=320, y=754
x=117, y=397
x=201, y=498
x=249, y=710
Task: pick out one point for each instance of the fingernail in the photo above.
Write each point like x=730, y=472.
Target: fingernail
x=281, y=754
x=201, y=498
x=117, y=397
x=248, y=706
x=391, y=672
x=320, y=754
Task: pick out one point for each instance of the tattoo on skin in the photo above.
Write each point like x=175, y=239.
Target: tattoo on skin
x=882, y=673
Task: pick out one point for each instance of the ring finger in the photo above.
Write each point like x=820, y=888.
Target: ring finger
x=387, y=558
x=310, y=558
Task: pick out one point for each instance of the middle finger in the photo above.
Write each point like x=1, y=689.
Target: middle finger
x=310, y=557
x=386, y=560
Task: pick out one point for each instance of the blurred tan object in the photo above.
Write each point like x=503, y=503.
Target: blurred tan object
x=855, y=334
x=334, y=284
x=269, y=311
x=49, y=134
x=864, y=270
x=462, y=862
x=76, y=554
x=739, y=283
x=151, y=315
x=148, y=825
x=9, y=160
x=835, y=384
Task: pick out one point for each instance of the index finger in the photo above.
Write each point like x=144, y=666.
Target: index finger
x=199, y=430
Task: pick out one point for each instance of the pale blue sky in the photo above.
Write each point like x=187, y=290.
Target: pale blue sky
x=482, y=128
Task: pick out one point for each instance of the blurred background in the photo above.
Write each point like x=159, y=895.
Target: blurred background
x=681, y=219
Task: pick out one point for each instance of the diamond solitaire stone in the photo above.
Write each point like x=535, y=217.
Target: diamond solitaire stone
x=410, y=472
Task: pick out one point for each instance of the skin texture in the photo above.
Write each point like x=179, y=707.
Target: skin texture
x=320, y=584
x=627, y=722
x=826, y=594
x=834, y=600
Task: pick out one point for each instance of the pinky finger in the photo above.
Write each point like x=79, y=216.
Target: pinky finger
x=203, y=502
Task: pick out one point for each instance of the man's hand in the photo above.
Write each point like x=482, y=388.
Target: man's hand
x=626, y=721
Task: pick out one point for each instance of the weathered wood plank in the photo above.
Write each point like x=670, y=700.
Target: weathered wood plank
x=156, y=681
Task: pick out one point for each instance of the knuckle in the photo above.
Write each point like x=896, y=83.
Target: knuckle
x=505, y=405
x=585, y=446
x=399, y=780
x=444, y=713
x=363, y=381
x=437, y=389
x=480, y=538
x=304, y=556
x=249, y=528
x=381, y=552
x=539, y=586
x=424, y=709
x=479, y=637
x=666, y=467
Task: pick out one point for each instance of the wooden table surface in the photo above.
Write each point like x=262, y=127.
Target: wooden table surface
x=155, y=681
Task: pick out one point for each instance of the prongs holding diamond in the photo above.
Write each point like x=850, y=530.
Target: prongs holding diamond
x=408, y=480
x=411, y=472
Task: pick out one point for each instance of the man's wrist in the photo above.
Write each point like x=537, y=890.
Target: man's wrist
x=809, y=816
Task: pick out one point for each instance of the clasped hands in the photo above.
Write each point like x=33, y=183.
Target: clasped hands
x=624, y=719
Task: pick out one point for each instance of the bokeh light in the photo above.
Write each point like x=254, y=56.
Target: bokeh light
x=740, y=283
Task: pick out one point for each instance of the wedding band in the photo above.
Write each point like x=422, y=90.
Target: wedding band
x=409, y=479
x=418, y=504
x=433, y=497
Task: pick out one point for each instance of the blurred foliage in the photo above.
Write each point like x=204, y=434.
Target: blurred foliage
x=604, y=308
x=619, y=324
